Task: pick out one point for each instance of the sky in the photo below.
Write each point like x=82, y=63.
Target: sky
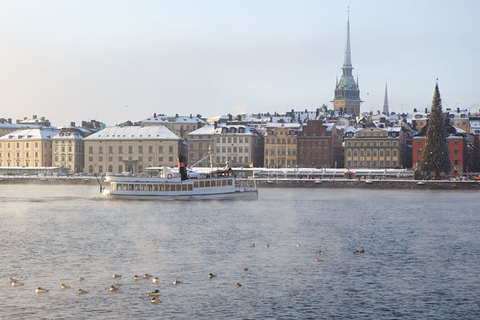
x=114, y=60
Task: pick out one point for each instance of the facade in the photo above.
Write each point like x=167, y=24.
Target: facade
x=131, y=149
x=68, y=149
x=27, y=148
x=459, y=119
x=347, y=94
x=200, y=142
x=319, y=145
x=375, y=148
x=180, y=125
x=238, y=144
x=280, y=145
x=6, y=126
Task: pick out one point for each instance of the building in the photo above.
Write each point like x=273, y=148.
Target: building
x=68, y=148
x=319, y=145
x=180, y=125
x=27, y=148
x=6, y=126
x=375, y=148
x=280, y=145
x=200, y=143
x=238, y=144
x=132, y=149
x=347, y=94
x=35, y=121
x=459, y=119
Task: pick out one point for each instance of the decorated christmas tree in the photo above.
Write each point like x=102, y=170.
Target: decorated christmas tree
x=435, y=157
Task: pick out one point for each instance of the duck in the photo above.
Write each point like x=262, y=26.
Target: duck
x=80, y=291
x=176, y=281
x=239, y=284
x=112, y=288
x=298, y=245
x=63, y=286
x=41, y=290
x=211, y=275
x=81, y=278
x=146, y=275
x=318, y=260
x=245, y=269
x=155, y=280
x=12, y=280
x=116, y=276
x=155, y=300
x=319, y=252
x=155, y=293
x=17, y=284
x=253, y=245
x=135, y=277
x=267, y=245
x=358, y=252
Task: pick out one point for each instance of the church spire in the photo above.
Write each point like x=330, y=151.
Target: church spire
x=385, y=101
x=347, y=61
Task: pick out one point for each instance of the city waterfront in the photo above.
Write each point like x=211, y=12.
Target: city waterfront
x=422, y=253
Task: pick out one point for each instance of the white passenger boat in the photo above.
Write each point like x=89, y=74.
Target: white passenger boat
x=166, y=184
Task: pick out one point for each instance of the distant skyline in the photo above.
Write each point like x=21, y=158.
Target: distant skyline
x=115, y=60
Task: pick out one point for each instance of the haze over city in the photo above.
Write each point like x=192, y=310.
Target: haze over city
x=124, y=60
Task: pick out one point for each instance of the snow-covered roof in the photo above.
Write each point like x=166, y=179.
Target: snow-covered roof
x=205, y=130
x=31, y=134
x=134, y=133
x=163, y=119
x=283, y=125
x=68, y=136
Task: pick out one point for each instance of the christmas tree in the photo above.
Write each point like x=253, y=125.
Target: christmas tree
x=435, y=157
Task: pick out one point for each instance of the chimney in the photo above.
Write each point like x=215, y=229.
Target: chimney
x=414, y=109
x=176, y=115
x=10, y=120
x=458, y=110
x=190, y=116
x=34, y=116
x=215, y=125
x=72, y=124
x=426, y=110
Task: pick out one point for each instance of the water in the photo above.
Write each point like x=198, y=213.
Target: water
x=422, y=252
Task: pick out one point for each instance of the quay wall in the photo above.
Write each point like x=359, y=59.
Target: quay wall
x=282, y=183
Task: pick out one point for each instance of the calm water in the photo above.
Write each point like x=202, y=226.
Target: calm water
x=421, y=261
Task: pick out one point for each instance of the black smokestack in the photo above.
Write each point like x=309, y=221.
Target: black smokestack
x=182, y=168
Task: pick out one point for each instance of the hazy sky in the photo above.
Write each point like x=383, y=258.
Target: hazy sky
x=115, y=60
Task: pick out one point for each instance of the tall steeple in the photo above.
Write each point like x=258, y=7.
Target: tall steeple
x=385, y=101
x=347, y=94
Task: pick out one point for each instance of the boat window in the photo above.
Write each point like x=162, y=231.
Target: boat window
x=202, y=184
x=190, y=187
x=130, y=187
x=184, y=187
x=161, y=187
x=179, y=187
x=213, y=183
x=167, y=187
x=155, y=187
x=224, y=182
x=229, y=182
x=137, y=187
x=114, y=186
x=207, y=183
x=195, y=184
x=149, y=187
x=143, y=187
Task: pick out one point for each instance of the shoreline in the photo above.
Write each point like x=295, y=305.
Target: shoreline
x=281, y=183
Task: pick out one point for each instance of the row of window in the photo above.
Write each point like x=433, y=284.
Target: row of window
x=17, y=144
x=369, y=164
x=130, y=149
x=171, y=187
x=281, y=152
x=120, y=158
x=232, y=139
x=278, y=141
x=232, y=149
x=373, y=153
x=371, y=144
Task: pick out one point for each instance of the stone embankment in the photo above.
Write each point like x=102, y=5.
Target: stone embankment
x=369, y=184
x=282, y=183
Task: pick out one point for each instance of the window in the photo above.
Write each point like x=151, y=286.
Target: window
x=170, y=149
x=110, y=150
x=120, y=149
x=455, y=152
x=90, y=149
x=140, y=149
x=160, y=149
x=130, y=149
x=100, y=149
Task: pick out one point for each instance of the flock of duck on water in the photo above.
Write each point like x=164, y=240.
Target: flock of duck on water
x=154, y=294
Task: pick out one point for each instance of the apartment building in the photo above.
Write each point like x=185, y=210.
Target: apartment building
x=280, y=145
x=68, y=148
x=200, y=143
x=132, y=149
x=27, y=148
x=376, y=148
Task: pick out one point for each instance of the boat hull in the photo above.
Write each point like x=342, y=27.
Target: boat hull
x=236, y=195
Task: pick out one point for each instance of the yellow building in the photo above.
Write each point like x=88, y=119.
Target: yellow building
x=375, y=148
x=131, y=149
x=280, y=145
x=27, y=148
x=69, y=149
